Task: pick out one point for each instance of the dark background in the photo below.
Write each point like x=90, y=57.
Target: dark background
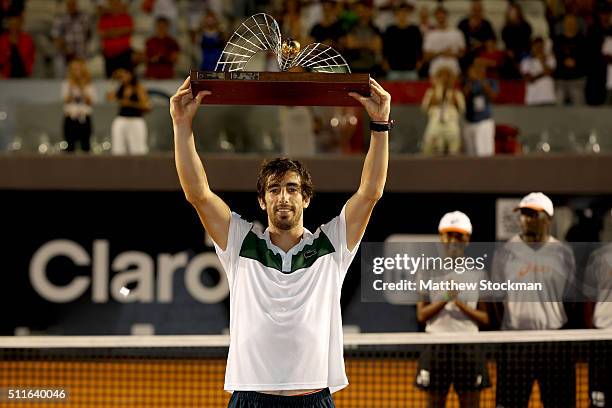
x=163, y=222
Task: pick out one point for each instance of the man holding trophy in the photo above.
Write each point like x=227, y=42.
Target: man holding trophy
x=286, y=346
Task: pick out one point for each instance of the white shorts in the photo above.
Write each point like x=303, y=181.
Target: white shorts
x=129, y=136
x=479, y=138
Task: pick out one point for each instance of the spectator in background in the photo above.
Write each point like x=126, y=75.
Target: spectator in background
x=570, y=52
x=597, y=68
x=496, y=61
x=480, y=92
x=292, y=25
x=476, y=30
x=161, y=52
x=537, y=69
x=516, y=35
x=79, y=95
x=347, y=18
x=403, y=46
x=555, y=10
x=10, y=8
x=534, y=255
x=363, y=43
x=16, y=50
x=71, y=33
x=195, y=11
x=129, y=129
x=212, y=43
x=328, y=30
x=166, y=9
x=444, y=105
x=445, y=44
x=558, y=9
x=115, y=28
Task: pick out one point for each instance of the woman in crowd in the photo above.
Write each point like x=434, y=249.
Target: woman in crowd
x=444, y=105
x=212, y=41
x=129, y=129
x=78, y=95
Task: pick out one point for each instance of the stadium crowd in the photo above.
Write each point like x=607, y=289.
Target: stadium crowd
x=405, y=46
x=397, y=40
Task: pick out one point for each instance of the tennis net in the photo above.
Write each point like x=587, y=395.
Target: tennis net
x=562, y=368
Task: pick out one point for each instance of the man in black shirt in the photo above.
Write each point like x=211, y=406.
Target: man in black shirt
x=363, y=43
x=477, y=30
x=570, y=52
x=402, y=46
x=328, y=30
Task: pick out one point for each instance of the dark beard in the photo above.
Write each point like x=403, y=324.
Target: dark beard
x=285, y=224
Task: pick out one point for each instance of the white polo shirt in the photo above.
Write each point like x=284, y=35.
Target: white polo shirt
x=553, y=265
x=285, y=319
x=598, y=286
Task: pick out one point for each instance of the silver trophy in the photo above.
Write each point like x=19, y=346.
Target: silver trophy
x=260, y=33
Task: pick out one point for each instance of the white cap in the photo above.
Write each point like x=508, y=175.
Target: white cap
x=455, y=221
x=538, y=202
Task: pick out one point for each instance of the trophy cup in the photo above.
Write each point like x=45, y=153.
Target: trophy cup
x=325, y=79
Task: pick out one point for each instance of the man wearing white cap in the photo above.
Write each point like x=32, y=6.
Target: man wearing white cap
x=451, y=311
x=535, y=256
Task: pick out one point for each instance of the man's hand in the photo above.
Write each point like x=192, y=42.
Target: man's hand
x=183, y=106
x=378, y=105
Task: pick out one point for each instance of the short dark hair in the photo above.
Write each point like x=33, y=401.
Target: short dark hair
x=277, y=168
x=162, y=19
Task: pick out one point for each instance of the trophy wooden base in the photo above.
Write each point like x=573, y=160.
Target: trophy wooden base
x=279, y=88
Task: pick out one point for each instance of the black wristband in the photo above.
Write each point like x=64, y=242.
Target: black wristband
x=382, y=126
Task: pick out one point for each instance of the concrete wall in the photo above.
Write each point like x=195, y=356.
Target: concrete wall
x=33, y=108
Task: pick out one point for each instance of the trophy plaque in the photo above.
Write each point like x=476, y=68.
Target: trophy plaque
x=316, y=75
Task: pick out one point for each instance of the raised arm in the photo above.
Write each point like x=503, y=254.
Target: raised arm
x=212, y=210
x=374, y=174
